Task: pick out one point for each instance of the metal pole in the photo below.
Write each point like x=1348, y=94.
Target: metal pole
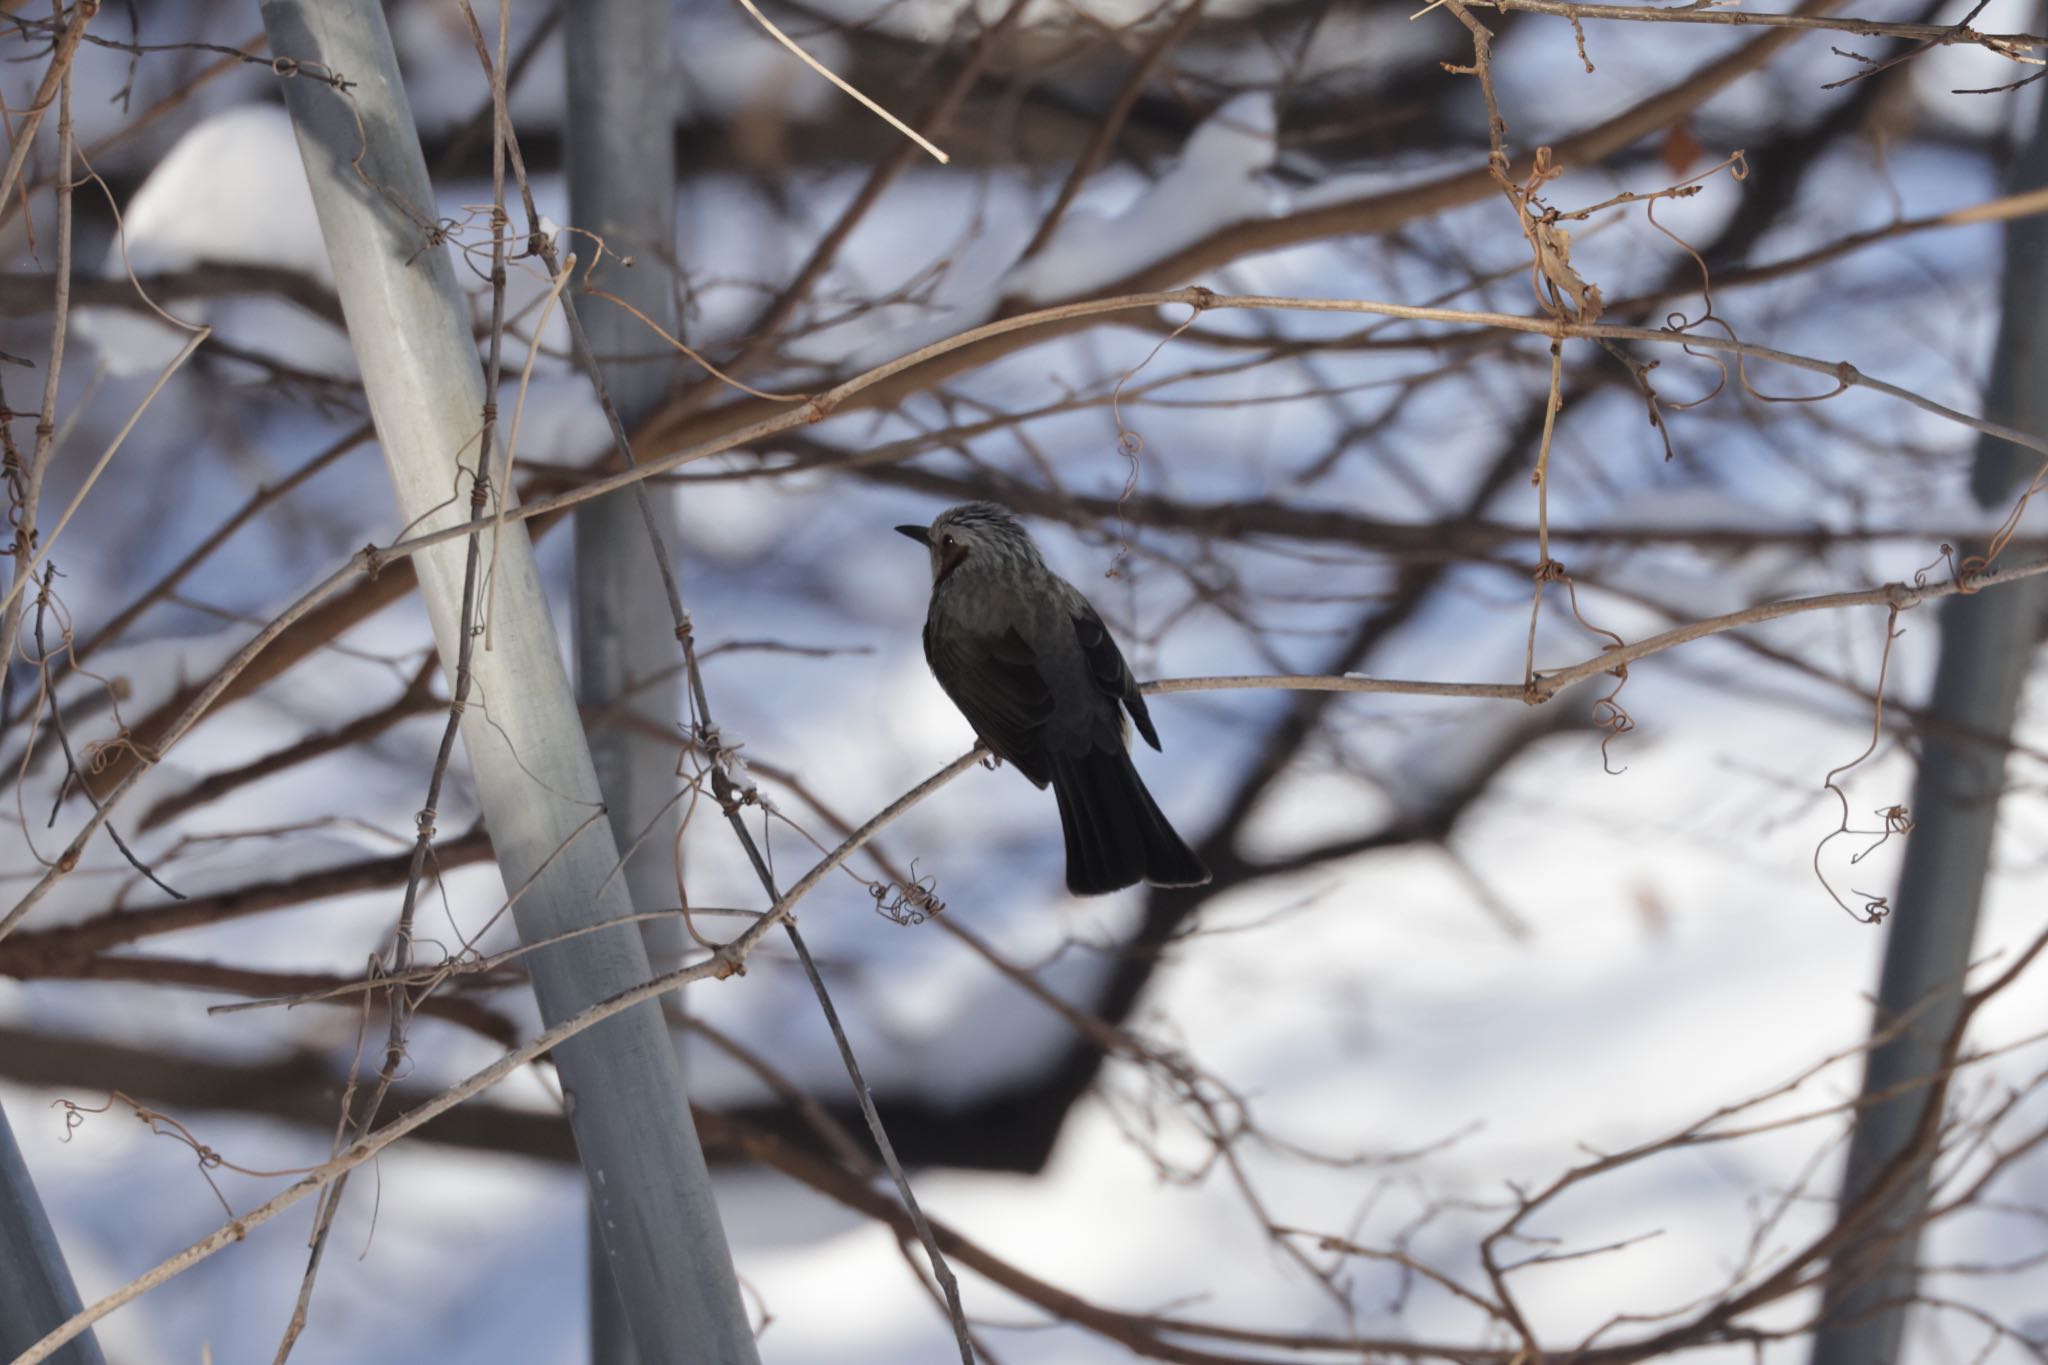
x=36, y=1293
x=622, y=187
x=522, y=733
x=1987, y=641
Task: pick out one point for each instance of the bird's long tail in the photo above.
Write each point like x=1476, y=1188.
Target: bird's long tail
x=1116, y=835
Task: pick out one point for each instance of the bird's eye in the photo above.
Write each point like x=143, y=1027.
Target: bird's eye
x=946, y=541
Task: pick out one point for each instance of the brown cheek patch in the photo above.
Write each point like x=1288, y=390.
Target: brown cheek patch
x=950, y=560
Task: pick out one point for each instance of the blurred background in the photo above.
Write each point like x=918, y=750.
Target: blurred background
x=1500, y=1027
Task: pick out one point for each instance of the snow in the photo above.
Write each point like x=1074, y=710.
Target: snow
x=1217, y=182
x=231, y=192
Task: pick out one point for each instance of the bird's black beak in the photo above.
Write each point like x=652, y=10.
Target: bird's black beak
x=920, y=534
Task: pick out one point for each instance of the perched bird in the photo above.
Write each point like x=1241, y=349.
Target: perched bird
x=1034, y=670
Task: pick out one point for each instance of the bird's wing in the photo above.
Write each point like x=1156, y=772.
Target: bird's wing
x=1111, y=674
x=996, y=683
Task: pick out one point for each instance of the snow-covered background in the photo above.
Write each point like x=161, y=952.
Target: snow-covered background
x=1601, y=950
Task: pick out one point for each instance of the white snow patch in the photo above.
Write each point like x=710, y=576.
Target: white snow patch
x=1217, y=182
x=233, y=191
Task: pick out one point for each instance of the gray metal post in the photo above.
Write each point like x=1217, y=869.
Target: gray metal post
x=622, y=186
x=522, y=734
x=1987, y=641
x=36, y=1293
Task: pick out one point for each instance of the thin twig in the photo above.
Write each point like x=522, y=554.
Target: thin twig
x=729, y=959
x=59, y=70
x=898, y=124
x=27, y=548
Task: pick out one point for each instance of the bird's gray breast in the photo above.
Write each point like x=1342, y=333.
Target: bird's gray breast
x=1040, y=608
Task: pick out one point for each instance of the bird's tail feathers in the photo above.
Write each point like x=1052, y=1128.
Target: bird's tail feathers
x=1116, y=834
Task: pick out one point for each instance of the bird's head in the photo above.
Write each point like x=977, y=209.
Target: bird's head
x=981, y=533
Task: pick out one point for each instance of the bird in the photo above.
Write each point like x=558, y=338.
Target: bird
x=1031, y=666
